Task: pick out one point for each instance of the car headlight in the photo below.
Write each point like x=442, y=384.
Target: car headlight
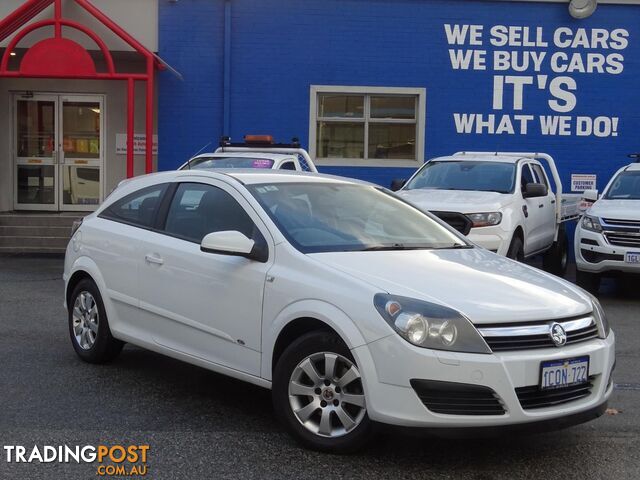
x=601, y=318
x=485, y=219
x=591, y=223
x=429, y=325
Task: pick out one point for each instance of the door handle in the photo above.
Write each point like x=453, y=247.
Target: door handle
x=541, y=205
x=153, y=259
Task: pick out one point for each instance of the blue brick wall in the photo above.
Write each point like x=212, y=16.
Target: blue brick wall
x=189, y=111
x=281, y=47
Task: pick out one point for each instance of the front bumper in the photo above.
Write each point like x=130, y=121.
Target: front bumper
x=492, y=238
x=604, y=257
x=388, y=365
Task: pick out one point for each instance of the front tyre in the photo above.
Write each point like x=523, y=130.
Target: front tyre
x=88, y=325
x=516, y=249
x=556, y=259
x=318, y=394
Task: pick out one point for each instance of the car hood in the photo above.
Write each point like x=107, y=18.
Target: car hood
x=616, y=209
x=483, y=286
x=461, y=201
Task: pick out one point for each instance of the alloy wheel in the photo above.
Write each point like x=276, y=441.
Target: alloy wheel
x=85, y=320
x=326, y=395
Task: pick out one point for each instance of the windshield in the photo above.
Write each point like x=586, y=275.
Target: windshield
x=626, y=186
x=206, y=163
x=332, y=217
x=477, y=176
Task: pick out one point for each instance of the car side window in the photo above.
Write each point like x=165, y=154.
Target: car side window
x=138, y=208
x=288, y=166
x=527, y=177
x=541, y=177
x=198, y=209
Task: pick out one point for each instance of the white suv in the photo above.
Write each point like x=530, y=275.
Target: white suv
x=608, y=236
x=353, y=306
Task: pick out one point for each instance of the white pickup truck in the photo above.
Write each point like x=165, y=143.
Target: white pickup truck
x=502, y=201
x=608, y=236
x=257, y=151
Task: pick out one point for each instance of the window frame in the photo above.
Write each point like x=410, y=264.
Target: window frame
x=166, y=190
x=366, y=120
x=163, y=213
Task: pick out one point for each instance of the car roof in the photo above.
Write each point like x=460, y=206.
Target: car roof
x=265, y=155
x=251, y=176
x=479, y=158
x=634, y=167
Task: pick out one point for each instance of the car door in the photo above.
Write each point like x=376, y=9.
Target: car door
x=548, y=229
x=534, y=213
x=114, y=242
x=205, y=305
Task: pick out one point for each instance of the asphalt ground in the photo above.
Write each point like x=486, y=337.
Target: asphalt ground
x=199, y=424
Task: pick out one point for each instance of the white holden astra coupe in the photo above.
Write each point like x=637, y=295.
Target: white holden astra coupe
x=355, y=308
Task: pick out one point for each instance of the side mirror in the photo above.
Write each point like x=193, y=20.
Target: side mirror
x=590, y=195
x=533, y=190
x=231, y=243
x=397, y=184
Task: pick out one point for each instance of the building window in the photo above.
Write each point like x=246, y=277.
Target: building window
x=367, y=125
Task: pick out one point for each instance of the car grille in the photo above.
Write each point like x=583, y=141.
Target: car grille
x=531, y=335
x=532, y=397
x=622, y=233
x=623, y=239
x=457, y=398
x=622, y=223
x=457, y=220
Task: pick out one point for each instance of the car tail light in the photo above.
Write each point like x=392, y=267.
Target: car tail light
x=76, y=226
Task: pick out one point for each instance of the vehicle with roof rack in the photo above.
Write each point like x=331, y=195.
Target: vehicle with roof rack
x=503, y=201
x=607, y=239
x=257, y=151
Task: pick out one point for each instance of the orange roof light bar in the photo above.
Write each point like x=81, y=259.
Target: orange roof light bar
x=261, y=139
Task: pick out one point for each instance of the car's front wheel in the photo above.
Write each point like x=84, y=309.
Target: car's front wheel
x=318, y=394
x=88, y=325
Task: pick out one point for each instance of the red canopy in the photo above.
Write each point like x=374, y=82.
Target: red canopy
x=60, y=57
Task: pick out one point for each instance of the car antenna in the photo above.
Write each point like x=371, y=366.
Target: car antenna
x=196, y=154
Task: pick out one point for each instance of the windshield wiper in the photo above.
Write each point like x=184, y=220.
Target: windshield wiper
x=454, y=246
x=395, y=246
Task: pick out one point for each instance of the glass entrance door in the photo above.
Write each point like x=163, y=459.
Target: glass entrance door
x=80, y=152
x=36, y=153
x=59, y=150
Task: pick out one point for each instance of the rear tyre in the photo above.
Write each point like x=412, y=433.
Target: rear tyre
x=556, y=259
x=318, y=394
x=88, y=325
x=589, y=281
x=516, y=249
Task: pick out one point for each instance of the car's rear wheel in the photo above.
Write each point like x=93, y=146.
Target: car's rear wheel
x=88, y=325
x=589, y=281
x=318, y=394
x=556, y=259
x=516, y=249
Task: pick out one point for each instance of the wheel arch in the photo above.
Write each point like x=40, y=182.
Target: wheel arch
x=84, y=267
x=299, y=319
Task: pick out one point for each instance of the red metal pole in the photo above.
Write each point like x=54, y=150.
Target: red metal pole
x=58, y=17
x=130, y=120
x=150, y=101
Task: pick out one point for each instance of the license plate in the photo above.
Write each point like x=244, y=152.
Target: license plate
x=564, y=373
x=632, y=257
